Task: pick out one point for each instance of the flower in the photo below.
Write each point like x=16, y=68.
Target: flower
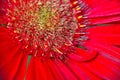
x=59, y=39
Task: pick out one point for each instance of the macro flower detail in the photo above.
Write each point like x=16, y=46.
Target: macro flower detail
x=44, y=25
x=59, y=40
x=46, y=28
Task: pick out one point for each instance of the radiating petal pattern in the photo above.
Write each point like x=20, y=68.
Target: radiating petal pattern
x=109, y=35
x=12, y=60
x=85, y=43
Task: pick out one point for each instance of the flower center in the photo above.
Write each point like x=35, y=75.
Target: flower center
x=44, y=27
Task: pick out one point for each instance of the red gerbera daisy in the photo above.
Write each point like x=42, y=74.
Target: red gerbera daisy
x=59, y=39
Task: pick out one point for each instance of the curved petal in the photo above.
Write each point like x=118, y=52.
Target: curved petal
x=82, y=55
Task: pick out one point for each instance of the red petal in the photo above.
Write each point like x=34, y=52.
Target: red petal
x=103, y=7
x=109, y=34
x=12, y=60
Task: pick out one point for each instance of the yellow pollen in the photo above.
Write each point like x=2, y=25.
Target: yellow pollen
x=14, y=1
x=36, y=46
x=79, y=17
x=58, y=50
x=26, y=46
x=78, y=8
x=81, y=26
x=79, y=33
x=75, y=2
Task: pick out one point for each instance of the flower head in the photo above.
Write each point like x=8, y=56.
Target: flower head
x=43, y=25
x=62, y=37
